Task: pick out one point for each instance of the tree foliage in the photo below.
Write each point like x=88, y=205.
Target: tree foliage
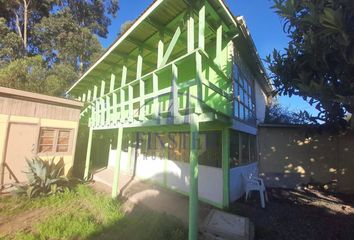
x=32, y=74
x=318, y=63
x=277, y=114
x=46, y=44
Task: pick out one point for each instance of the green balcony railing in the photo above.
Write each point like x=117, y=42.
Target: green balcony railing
x=193, y=83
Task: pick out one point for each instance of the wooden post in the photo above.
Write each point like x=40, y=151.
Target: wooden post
x=160, y=50
x=218, y=45
x=95, y=107
x=193, y=178
x=155, y=89
x=139, y=69
x=88, y=154
x=226, y=166
x=115, y=187
x=190, y=32
x=201, y=27
x=175, y=100
x=122, y=93
x=88, y=95
x=111, y=85
x=102, y=103
x=130, y=106
x=3, y=151
x=198, y=78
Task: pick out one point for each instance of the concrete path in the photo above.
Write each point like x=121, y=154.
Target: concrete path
x=135, y=193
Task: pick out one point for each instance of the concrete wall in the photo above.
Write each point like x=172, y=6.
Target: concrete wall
x=290, y=156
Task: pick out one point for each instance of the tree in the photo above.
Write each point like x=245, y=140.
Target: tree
x=318, y=63
x=61, y=40
x=46, y=44
x=125, y=26
x=23, y=15
x=10, y=44
x=32, y=74
x=277, y=114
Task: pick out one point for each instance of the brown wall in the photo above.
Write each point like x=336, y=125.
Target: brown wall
x=290, y=156
x=19, y=107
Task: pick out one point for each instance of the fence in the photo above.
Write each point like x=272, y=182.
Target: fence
x=294, y=155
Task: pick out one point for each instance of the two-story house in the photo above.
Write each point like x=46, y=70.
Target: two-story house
x=176, y=99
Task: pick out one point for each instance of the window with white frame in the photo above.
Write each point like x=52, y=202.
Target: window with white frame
x=244, y=106
x=54, y=140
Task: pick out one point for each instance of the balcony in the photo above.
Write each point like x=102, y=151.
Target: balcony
x=190, y=84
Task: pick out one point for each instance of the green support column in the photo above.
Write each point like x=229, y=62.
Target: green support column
x=88, y=155
x=115, y=187
x=193, y=180
x=226, y=167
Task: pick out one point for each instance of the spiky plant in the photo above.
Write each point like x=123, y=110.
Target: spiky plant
x=44, y=177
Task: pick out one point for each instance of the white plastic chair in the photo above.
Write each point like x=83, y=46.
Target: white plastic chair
x=253, y=183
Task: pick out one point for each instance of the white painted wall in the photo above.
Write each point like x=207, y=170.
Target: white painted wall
x=236, y=182
x=150, y=168
x=124, y=163
x=210, y=184
x=210, y=181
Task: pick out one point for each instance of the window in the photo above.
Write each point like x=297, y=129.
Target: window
x=53, y=140
x=243, y=149
x=244, y=107
x=210, y=153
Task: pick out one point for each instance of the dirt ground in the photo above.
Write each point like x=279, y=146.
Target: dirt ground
x=305, y=213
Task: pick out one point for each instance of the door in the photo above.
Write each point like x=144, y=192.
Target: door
x=21, y=144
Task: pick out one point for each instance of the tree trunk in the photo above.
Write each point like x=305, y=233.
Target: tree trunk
x=25, y=22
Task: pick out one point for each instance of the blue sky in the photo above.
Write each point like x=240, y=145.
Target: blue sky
x=265, y=26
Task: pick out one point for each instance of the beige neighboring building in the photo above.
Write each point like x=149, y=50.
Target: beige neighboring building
x=33, y=124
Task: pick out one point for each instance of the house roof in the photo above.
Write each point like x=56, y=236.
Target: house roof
x=36, y=97
x=144, y=33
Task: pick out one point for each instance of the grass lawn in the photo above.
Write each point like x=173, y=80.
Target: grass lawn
x=82, y=214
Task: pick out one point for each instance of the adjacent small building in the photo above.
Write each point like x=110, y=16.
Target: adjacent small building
x=31, y=125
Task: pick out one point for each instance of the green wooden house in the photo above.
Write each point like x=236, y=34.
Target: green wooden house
x=176, y=99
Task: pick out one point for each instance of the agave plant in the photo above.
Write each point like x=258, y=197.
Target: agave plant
x=45, y=177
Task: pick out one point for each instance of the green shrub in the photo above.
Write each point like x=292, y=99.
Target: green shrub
x=44, y=178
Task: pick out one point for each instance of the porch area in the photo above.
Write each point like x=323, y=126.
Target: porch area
x=138, y=193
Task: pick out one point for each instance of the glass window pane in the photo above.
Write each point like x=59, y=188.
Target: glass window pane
x=234, y=149
x=45, y=148
x=253, y=149
x=62, y=148
x=242, y=112
x=210, y=149
x=63, y=141
x=47, y=133
x=46, y=140
x=236, y=109
x=64, y=134
x=242, y=96
x=244, y=149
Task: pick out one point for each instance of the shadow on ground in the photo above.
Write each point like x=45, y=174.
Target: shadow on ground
x=142, y=223
x=305, y=213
